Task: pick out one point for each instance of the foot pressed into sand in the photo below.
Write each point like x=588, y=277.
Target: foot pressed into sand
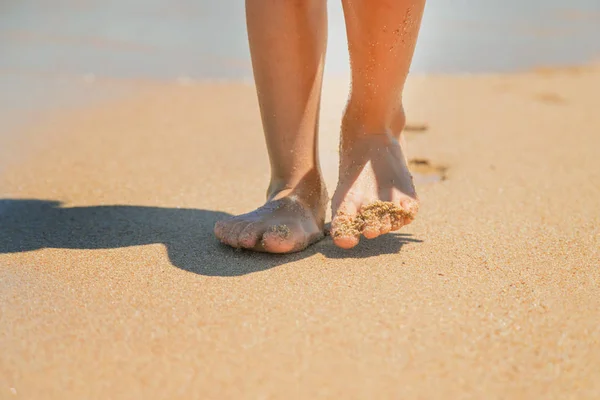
x=291, y=220
x=375, y=193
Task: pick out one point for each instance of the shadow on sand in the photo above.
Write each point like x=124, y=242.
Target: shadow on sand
x=27, y=225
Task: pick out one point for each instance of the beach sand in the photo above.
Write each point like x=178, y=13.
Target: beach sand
x=112, y=285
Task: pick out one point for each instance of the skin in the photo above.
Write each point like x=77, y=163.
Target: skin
x=375, y=193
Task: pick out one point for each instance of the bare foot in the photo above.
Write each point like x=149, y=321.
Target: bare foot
x=375, y=192
x=290, y=221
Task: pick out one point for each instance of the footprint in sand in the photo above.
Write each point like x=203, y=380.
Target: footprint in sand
x=424, y=171
x=550, y=98
x=416, y=128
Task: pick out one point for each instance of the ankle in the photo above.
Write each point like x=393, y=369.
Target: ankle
x=360, y=121
x=310, y=187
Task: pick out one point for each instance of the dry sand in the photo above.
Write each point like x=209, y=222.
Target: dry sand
x=112, y=286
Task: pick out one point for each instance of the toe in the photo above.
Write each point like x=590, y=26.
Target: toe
x=372, y=221
x=371, y=230
x=410, y=207
x=345, y=227
x=232, y=237
x=283, y=239
x=345, y=230
x=345, y=242
x=397, y=222
x=250, y=236
x=404, y=214
x=221, y=228
x=386, y=224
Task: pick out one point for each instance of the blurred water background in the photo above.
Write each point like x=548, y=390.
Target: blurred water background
x=45, y=44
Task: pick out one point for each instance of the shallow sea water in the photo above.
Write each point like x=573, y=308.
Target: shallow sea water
x=207, y=39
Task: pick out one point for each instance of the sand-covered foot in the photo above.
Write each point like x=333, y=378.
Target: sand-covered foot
x=288, y=222
x=375, y=193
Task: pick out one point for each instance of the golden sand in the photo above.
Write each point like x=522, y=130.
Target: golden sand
x=372, y=215
x=113, y=286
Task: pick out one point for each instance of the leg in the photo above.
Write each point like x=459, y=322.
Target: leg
x=375, y=193
x=287, y=43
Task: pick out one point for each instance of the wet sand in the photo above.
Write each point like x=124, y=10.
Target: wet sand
x=112, y=285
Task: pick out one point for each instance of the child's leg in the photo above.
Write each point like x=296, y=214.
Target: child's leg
x=375, y=193
x=287, y=43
